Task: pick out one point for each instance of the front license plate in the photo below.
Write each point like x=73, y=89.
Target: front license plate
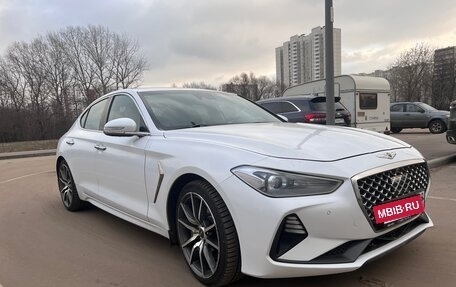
x=398, y=209
x=339, y=121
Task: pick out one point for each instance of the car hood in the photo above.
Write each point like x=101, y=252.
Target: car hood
x=290, y=140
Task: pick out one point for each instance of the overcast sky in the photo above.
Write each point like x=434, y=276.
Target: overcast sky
x=212, y=40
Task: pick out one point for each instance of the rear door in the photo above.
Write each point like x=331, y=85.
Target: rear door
x=81, y=153
x=416, y=116
x=398, y=118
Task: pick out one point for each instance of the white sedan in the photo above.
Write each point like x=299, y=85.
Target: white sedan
x=238, y=189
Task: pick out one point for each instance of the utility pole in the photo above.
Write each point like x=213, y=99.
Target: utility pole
x=329, y=63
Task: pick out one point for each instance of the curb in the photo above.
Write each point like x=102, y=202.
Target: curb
x=440, y=161
x=24, y=154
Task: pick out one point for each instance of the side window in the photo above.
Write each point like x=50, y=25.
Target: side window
x=94, y=116
x=274, y=107
x=123, y=107
x=397, y=108
x=412, y=108
x=368, y=101
x=288, y=107
x=83, y=118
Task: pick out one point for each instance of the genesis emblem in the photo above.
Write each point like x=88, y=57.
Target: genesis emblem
x=387, y=155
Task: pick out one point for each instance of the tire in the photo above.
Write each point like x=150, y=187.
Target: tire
x=396, y=130
x=437, y=127
x=206, y=235
x=67, y=188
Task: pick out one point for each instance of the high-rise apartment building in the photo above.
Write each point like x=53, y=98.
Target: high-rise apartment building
x=302, y=59
x=444, y=79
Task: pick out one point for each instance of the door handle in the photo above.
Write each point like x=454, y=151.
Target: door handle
x=100, y=147
x=70, y=142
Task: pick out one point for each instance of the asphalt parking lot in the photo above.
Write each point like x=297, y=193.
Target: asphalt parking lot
x=42, y=244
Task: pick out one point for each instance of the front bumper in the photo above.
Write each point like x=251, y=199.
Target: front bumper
x=331, y=220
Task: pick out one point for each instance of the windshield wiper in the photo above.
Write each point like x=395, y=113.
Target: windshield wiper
x=195, y=125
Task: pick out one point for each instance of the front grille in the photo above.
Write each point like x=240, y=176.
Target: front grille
x=391, y=185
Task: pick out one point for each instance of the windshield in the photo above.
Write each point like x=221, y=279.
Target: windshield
x=186, y=109
x=428, y=107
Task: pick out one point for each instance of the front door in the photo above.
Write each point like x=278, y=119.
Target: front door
x=121, y=165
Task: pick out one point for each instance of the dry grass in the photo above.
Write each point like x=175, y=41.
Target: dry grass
x=28, y=145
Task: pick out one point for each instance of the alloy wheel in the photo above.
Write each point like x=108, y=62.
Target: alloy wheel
x=198, y=235
x=65, y=184
x=436, y=127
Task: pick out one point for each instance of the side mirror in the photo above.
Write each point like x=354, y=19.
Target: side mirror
x=283, y=118
x=122, y=127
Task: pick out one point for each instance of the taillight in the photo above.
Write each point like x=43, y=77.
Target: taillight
x=315, y=118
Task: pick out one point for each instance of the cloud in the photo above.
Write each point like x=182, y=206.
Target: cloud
x=211, y=41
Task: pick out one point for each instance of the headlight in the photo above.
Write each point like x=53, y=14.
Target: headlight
x=276, y=183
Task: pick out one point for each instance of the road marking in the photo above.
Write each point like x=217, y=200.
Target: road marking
x=442, y=198
x=24, y=176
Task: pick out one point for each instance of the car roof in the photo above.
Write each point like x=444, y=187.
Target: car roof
x=289, y=98
x=406, y=103
x=161, y=89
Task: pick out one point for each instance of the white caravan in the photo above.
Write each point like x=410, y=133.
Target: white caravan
x=366, y=98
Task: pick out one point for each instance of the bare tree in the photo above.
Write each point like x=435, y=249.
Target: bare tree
x=45, y=83
x=128, y=63
x=99, y=47
x=28, y=58
x=250, y=86
x=411, y=74
x=200, y=85
x=82, y=68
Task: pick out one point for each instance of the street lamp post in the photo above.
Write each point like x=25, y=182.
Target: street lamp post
x=329, y=63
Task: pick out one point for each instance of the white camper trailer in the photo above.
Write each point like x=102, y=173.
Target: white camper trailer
x=366, y=98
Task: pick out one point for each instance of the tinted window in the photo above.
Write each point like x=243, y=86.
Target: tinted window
x=95, y=115
x=412, y=108
x=186, y=109
x=321, y=106
x=288, y=108
x=397, y=108
x=427, y=107
x=123, y=107
x=273, y=107
x=368, y=101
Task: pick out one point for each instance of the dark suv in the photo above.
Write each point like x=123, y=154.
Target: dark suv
x=418, y=115
x=451, y=133
x=306, y=109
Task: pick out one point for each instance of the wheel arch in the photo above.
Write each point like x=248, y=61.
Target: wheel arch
x=439, y=119
x=58, y=161
x=171, y=203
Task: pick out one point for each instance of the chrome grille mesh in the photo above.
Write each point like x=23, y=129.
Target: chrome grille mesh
x=392, y=184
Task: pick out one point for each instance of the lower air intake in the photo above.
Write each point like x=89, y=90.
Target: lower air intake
x=290, y=233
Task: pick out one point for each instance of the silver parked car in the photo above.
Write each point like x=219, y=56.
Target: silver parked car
x=418, y=115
